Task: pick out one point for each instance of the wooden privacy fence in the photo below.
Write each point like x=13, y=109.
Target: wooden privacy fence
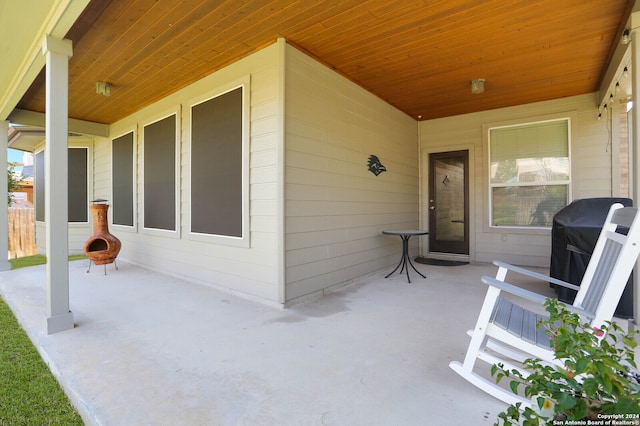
x=22, y=241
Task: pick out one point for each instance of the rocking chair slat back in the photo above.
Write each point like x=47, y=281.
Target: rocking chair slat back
x=611, y=264
x=603, y=271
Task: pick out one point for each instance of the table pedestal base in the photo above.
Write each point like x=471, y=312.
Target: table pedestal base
x=405, y=260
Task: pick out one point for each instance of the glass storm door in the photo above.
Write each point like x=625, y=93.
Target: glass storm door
x=449, y=202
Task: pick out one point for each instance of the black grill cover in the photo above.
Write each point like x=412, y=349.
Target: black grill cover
x=574, y=235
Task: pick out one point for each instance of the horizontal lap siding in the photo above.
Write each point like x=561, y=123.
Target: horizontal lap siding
x=252, y=270
x=592, y=158
x=78, y=234
x=335, y=209
x=591, y=167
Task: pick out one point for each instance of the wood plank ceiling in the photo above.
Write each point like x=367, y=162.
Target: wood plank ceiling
x=418, y=55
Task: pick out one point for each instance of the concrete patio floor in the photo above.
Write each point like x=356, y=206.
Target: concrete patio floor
x=150, y=349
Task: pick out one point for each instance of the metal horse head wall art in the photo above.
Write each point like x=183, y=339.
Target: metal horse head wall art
x=375, y=166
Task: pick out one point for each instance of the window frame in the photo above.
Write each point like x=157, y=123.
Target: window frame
x=134, y=166
x=570, y=118
x=39, y=186
x=244, y=239
x=88, y=169
x=39, y=181
x=171, y=233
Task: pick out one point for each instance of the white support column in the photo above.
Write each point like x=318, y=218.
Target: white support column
x=4, y=213
x=634, y=138
x=57, y=52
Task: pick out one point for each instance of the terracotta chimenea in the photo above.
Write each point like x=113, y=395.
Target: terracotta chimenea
x=102, y=247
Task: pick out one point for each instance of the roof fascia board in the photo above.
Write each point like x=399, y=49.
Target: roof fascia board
x=619, y=59
x=614, y=70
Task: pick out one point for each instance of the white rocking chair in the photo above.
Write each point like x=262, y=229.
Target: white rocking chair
x=509, y=330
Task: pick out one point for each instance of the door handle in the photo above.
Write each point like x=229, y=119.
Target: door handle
x=432, y=207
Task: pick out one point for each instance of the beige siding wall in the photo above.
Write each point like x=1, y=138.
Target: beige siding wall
x=336, y=208
x=316, y=211
x=78, y=234
x=590, y=161
x=250, y=269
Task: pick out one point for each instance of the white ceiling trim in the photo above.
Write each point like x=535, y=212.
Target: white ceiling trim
x=38, y=119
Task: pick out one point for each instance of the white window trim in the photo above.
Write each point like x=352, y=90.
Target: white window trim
x=119, y=227
x=154, y=231
x=244, y=241
x=571, y=117
x=77, y=143
x=87, y=145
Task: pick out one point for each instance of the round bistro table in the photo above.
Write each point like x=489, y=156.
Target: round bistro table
x=405, y=260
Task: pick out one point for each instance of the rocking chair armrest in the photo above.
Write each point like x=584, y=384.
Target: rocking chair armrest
x=530, y=295
x=536, y=275
x=515, y=290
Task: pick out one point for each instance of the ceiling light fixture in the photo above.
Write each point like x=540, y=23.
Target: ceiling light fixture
x=103, y=88
x=477, y=86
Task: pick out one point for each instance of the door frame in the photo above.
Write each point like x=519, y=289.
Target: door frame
x=424, y=200
x=448, y=246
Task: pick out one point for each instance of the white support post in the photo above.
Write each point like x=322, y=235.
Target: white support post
x=4, y=213
x=58, y=52
x=634, y=138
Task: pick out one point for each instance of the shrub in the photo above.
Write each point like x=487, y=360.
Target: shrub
x=597, y=377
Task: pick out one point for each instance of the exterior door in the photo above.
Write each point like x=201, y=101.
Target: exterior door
x=449, y=202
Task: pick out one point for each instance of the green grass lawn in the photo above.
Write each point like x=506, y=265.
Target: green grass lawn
x=38, y=259
x=29, y=394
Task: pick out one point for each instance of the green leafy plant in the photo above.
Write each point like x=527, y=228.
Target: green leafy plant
x=13, y=183
x=596, y=379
